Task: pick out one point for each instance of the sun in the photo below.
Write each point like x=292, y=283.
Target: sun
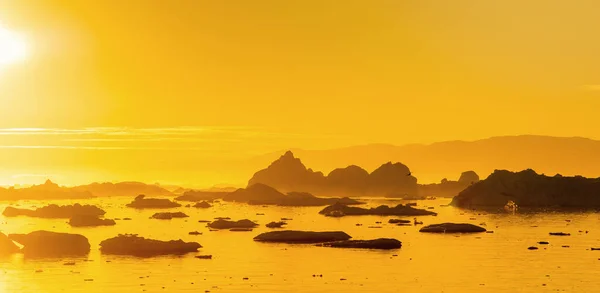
x=13, y=47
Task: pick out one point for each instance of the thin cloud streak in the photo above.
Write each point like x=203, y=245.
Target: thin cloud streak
x=67, y=147
x=124, y=131
x=186, y=138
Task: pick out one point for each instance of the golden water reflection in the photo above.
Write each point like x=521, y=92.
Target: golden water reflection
x=498, y=262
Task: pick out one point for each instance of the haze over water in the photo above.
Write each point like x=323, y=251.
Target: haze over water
x=498, y=262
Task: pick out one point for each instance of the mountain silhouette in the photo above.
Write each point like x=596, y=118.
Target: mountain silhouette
x=51, y=190
x=48, y=190
x=569, y=156
x=352, y=179
x=289, y=174
x=127, y=188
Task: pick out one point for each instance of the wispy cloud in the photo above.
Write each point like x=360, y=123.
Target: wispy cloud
x=117, y=148
x=126, y=131
x=160, y=138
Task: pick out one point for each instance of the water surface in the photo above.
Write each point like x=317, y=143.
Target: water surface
x=498, y=262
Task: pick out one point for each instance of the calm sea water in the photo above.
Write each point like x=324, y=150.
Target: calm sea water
x=498, y=262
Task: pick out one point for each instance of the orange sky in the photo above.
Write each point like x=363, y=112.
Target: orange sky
x=241, y=78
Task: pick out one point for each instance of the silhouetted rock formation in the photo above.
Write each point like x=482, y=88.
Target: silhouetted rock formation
x=448, y=188
x=290, y=236
x=550, y=155
x=225, y=224
x=196, y=195
x=56, y=211
x=529, y=189
x=340, y=210
x=288, y=174
x=468, y=177
x=140, y=202
x=169, y=216
x=261, y=194
x=392, y=180
x=350, y=180
x=50, y=190
x=305, y=199
x=90, y=221
x=452, y=228
x=52, y=244
x=273, y=225
x=122, y=189
x=300, y=199
x=381, y=243
x=202, y=205
x=256, y=193
x=7, y=246
x=46, y=191
x=134, y=245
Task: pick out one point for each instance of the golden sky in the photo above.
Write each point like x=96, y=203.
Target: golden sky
x=229, y=79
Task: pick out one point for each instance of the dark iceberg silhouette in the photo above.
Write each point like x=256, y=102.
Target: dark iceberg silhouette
x=340, y=210
x=261, y=194
x=529, y=189
x=274, y=225
x=290, y=236
x=380, y=243
x=202, y=205
x=452, y=228
x=226, y=224
x=141, y=202
x=52, y=244
x=256, y=192
x=169, y=216
x=131, y=244
x=90, y=221
x=56, y=211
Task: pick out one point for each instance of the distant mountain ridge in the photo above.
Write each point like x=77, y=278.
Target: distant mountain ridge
x=50, y=190
x=127, y=188
x=433, y=162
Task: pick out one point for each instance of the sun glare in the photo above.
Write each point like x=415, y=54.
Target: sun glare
x=12, y=47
